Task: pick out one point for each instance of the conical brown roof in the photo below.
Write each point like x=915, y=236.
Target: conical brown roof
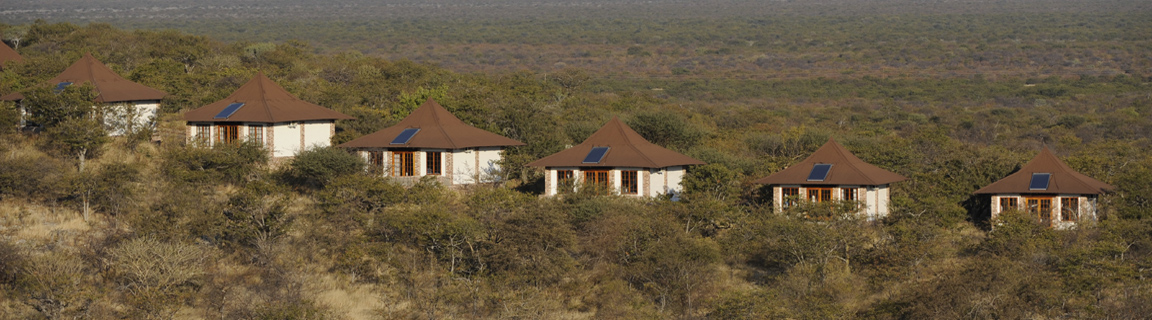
x=7, y=54
x=110, y=86
x=846, y=169
x=439, y=129
x=626, y=148
x=1062, y=180
x=264, y=101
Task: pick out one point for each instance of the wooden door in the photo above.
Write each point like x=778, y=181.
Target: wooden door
x=1041, y=207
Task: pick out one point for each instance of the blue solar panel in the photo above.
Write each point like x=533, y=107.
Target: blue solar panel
x=229, y=110
x=819, y=172
x=405, y=136
x=60, y=87
x=1040, y=181
x=596, y=155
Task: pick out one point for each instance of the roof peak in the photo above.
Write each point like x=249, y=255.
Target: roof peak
x=440, y=129
x=1064, y=178
x=847, y=169
x=110, y=86
x=629, y=149
x=267, y=102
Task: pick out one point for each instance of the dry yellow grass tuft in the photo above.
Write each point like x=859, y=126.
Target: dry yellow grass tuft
x=37, y=225
x=350, y=300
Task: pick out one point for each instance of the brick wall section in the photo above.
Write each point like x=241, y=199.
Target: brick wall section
x=612, y=187
x=269, y=134
x=418, y=169
x=548, y=182
x=647, y=183
x=270, y=138
x=448, y=172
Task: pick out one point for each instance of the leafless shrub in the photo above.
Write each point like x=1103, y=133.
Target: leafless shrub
x=156, y=274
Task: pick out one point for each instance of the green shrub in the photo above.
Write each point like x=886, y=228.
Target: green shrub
x=313, y=168
x=222, y=163
x=33, y=176
x=666, y=129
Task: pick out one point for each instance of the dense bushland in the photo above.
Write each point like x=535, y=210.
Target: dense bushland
x=180, y=230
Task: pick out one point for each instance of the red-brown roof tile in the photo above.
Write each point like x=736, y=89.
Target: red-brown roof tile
x=1062, y=180
x=110, y=86
x=15, y=96
x=439, y=129
x=7, y=54
x=626, y=149
x=264, y=101
x=846, y=169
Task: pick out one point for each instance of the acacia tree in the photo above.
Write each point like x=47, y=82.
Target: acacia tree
x=80, y=137
x=69, y=117
x=109, y=187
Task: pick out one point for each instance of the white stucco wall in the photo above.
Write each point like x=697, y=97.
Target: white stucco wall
x=317, y=134
x=882, y=199
x=871, y=198
x=658, y=182
x=464, y=169
x=286, y=139
x=120, y=116
x=489, y=164
x=675, y=176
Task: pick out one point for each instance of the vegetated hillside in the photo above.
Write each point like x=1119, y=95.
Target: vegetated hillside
x=190, y=232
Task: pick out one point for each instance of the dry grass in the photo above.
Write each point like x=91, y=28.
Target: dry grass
x=35, y=225
x=346, y=299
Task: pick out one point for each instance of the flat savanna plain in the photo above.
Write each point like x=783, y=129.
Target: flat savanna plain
x=641, y=41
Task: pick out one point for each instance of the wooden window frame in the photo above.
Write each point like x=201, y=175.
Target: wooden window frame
x=433, y=163
x=629, y=182
x=376, y=158
x=1009, y=203
x=406, y=166
x=598, y=178
x=565, y=180
x=204, y=132
x=227, y=133
x=785, y=193
x=850, y=194
x=562, y=175
x=256, y=134
x=821, y=194
x=1070, y=209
